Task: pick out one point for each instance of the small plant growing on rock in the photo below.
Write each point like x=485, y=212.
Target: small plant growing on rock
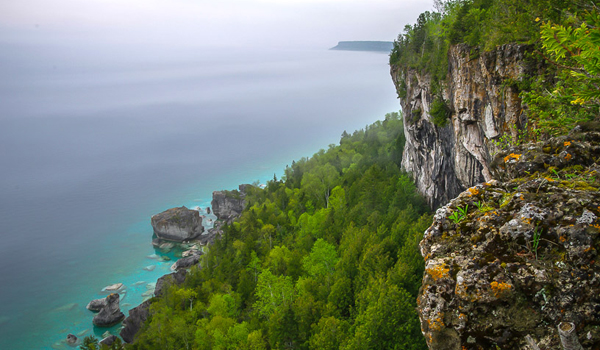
x=459, y=215
x=537, y=233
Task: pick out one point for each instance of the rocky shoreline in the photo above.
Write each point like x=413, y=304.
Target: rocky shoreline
x=176, y=228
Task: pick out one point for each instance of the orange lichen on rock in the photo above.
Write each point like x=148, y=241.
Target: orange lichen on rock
x=512, y=156
x=438, y=271
x=473, y=191
x=437, y=323
x=500, y=288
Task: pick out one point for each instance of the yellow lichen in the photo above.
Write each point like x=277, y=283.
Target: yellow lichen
x=473, y=191
x=437, y=323
x=438, y=271
x=567, y=143
x=500, y=288
x=512, y=156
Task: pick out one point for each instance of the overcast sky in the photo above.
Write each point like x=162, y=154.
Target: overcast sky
x=171, y=23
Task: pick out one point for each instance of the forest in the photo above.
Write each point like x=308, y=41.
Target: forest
x=325, y=258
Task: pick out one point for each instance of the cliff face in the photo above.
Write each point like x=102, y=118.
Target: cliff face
x=447, y=160
x=516, y=257
x=228, y=205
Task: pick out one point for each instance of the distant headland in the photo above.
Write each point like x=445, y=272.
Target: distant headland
x=379, y=46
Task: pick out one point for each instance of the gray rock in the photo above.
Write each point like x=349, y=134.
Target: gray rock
x=135, y=320
x=110, y=314
x=71, y=339
x=228, y=205
x=187, y=262
x=109, y=340
x=447, y=160
x=96, y=304
x=176, y=277
x=177, y=224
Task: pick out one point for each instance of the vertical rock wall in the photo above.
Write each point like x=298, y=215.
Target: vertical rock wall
x=446, y=160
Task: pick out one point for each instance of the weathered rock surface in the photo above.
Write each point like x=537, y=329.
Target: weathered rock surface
x=109, y=340
x=96, y=304
x=135, y=320
x=110, y=314
x=187, y=262
x=228, y=205
x=177, y=224
x=447, y=160
x=71, y=339
x=176, y=277
x=524, y=257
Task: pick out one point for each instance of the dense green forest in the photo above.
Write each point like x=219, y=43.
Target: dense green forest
x=564, y=47
x=325, y=258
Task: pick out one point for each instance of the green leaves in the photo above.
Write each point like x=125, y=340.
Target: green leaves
x=273, y=293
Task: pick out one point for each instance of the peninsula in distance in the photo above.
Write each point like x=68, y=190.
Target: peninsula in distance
x=379, y=46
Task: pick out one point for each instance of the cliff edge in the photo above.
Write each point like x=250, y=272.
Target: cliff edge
x=483, y=106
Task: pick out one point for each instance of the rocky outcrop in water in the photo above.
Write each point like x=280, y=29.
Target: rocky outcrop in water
x=135, y=320
x=71, y=339
x=482, y=96
x=228, y=205
x=512, y=259
x=177, y=224
x=110, y=314
x=96, y=304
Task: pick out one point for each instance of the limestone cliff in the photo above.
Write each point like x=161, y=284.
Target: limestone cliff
x=510, y=259
x=446, y=160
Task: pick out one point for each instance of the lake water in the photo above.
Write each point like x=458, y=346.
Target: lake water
x=93, y=144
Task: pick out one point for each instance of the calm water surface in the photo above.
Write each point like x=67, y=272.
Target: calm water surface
x=92, y=145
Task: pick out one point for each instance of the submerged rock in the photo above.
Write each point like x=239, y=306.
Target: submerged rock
x=113, y=287
x=177, y=224
x=96, y=304
x=150, y=267
x=135, y=320
x=110, y=314
x=524, y=257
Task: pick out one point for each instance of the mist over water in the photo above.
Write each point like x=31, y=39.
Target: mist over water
x=93, y=143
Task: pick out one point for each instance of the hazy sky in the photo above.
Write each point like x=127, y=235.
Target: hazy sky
x=173, y=23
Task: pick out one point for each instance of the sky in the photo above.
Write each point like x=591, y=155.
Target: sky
x=172, y=24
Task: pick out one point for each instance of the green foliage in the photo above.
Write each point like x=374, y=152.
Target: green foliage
x=558, y=97
x=459, y=215
x=570, y=95
x=440, y=112
x=324, y=258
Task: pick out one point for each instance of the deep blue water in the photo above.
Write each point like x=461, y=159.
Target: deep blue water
x=92, y=145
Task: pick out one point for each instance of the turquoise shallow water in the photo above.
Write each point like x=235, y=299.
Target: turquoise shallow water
x=90, y=150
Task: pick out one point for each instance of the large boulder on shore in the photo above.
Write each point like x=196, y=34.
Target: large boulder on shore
x=110, y=314
x=166, y=280
x=228, y=205
x=133, y=323
x=187, y=262
x=177, y=224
